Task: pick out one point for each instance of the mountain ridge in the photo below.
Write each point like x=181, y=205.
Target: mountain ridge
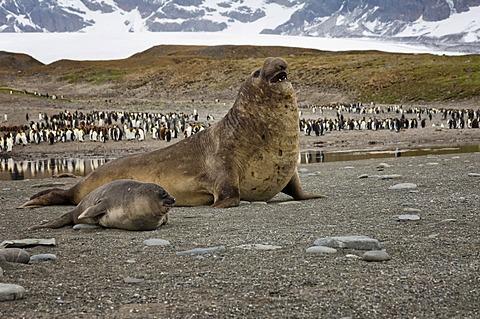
x=446, y=23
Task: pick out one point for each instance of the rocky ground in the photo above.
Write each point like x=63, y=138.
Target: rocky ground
x=106, y=273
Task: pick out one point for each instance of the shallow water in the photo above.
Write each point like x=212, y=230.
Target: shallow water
x=30, y=169
x=319, y=156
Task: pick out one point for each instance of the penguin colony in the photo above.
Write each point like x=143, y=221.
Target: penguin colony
x=136, y=126
x=101, y=127
x=356, y=116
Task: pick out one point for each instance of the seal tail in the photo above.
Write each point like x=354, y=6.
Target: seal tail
x=54, y=196
x=64, y=220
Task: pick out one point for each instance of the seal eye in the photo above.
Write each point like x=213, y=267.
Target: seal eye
x=256, y=74
x=279, y=77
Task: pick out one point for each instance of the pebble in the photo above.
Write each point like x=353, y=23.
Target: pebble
x=449, y=220
x=352, y=242
x=403, y=186
x=376, y=255
x=258, y=203
x=321, y=250
x=15, y=255
x=85, y=226
x=383, y=165
x=244, y=202
x=11, y=292
x=201, y=251
x=363, y=176
x=391, y=176
x=290, y=202
x=474, y=174
x=43, y=257
x=411, y=209
x=407, y=204
x=258, y=247
x=156, y=242
x=406, y=217
x=130, y=280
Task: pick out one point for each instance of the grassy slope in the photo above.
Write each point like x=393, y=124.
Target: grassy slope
x=365, y=76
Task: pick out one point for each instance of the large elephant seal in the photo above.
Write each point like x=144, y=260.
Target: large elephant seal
x=250, y=154
x=124, y=204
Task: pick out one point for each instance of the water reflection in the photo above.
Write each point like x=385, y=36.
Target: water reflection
x=320, y=156
x=30, y=169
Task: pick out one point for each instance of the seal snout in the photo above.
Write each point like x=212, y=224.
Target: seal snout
x=275, y=70
x=169, y=201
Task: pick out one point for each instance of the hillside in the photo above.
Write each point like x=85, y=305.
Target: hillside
x=167, y=73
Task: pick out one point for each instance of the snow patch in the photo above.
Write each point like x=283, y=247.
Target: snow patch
x=465, y=22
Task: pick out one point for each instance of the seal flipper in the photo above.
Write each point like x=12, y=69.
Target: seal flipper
x=226, y=195
x=94, y=211
x=294, y=189
x=54, y=196
x=64, y=220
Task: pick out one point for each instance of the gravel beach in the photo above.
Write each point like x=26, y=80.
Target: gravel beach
x=422, y=210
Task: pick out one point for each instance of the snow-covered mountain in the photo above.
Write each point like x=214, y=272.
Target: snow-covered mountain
x=443, y=23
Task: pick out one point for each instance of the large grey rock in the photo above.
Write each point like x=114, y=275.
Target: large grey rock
x=352, y=242
x=404, y=186
x=15, y=255
x=85, y=226
x=11, y=292
x=376, y=255
x=43, y=257
x=258, y=247
x=28, y=242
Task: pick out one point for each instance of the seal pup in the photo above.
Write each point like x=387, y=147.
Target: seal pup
x=250, y=154
x=123, y=204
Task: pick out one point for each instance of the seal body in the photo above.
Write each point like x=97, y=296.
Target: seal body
x=124, y=204
x=250, y=154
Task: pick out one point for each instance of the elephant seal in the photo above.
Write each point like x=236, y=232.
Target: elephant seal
x=123, y=204
x=250, y=154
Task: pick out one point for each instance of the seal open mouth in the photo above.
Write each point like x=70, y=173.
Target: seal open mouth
x=279, y=77
x=169, y=201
